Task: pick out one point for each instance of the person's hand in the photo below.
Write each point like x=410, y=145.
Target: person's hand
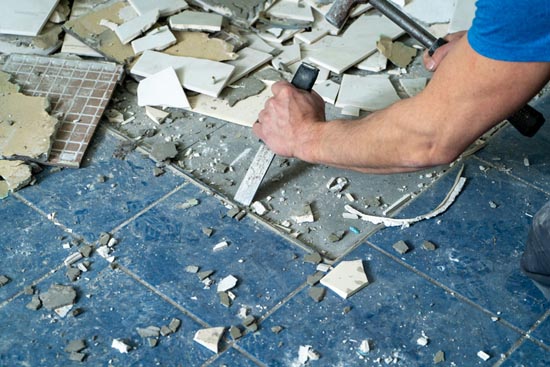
x=289, y=119
x=431, y=63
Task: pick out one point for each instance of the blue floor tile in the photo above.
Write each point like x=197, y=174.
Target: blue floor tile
x=159, y=245
x=30, y=246
x=542, y=332
x=392, y=311
x=232, y=358
x=479, y=247
x=510, y=147
x=113, y=305
x=528, y=355
x=88, y=206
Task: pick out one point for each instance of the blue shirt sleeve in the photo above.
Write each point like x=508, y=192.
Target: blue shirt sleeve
x=512, y=30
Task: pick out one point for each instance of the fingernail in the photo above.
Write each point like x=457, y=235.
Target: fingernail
x=430, y=65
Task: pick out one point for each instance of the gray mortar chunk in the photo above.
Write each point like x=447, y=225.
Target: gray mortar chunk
x=4, y=280
x=235, y=332
x=317, y=293
x=174, y=324
x=87, y=250
x=231, y=213
x=427, y=245
x=164, y=151
x=276, y=329
x=153, y=342
x=401, y=247
x=313, y=258
x=207, y=231
x=224, y=299
x=165, y=331
x=104, y=238
x=58, y=296
x=439, y=357
x=77, y=357
x=73, y=273
x=315, y=278
x=204, y=274
x=75, y=346
x=35, y=303
x=248, y=320
x=149, y=332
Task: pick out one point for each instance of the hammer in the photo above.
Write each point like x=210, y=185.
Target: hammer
x=340, y=9
x=527, y=120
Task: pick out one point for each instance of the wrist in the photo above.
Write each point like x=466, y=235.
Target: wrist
x=308, y=146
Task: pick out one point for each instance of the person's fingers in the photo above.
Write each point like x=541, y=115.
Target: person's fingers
x=280, y=85
x=432, y=62
x=257, y=129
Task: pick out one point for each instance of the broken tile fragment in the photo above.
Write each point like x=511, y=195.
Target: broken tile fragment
x=427, y=245
x=316, y=293
x=149, y=332
x=193, y=269
x=305, y=216
x=315, y=278
x=25, y=18
x=397, y=52
x=131, y=29
x=439, y=357
x=224, y=299
x=413, y=86
x=164, y=151
x=259, y=208
x=158, y=116
x=77, y=357
x=162, y=89
x=210, y=338
x=73, y=273
x=207, y=231
x=4, y=280
x=401, y=247
x=16, y=174
x=196, y=21
x=220, y=246
x=227, y=283
x=276, y=329
x=158, y=39
x=165, y=330
x=335, y=237
x=346, y=278
x=165, y=7
x=483, y=355
x=204, y=274
x=153, y=342
x=120, y=345
x=313, y=258
x=235, y=332
x=58, y=296
x=188, y=204
x=369, y=93
x=75, y=346
x=86, y=250
x=35, y=303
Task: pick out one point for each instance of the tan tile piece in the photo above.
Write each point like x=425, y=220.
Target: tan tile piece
x=100, y=38
x=200, y=45
x=26, y=129
x=16, y=174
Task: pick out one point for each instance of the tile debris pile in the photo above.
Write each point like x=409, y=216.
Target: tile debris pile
x=205, y=56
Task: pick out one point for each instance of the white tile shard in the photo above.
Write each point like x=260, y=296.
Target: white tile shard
x=346, y=279
x=290, y=54
x=120, y=345
x=25, y=18
x=199, y=75
x=227, y=283
x=249, y=60
x=291, y=10
x=370, y=93
x=196, y=21
x=131, y=29
x=463, y=15
x=158, y=116
x=165, y=7
x=429, y=11
x=162, y=89
x=210, y=338
x=441, y=208
x=376, y=62
x=339, y=53
x=328, y=90
x=158, y=39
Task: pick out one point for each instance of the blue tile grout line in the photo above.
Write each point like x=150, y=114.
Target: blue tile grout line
x=507, y=172
x=463, y=298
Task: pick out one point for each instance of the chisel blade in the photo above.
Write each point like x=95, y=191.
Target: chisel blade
x=255, y=175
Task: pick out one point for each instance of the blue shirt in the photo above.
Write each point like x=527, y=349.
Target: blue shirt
x=512, y=30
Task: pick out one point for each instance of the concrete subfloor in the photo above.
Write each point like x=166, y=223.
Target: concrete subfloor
x=466, y=296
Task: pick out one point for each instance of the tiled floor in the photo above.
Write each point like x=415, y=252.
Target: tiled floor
x=467, y=295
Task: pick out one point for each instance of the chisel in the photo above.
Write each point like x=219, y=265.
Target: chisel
x=303, y=79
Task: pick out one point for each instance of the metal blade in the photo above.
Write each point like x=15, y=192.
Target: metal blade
x=255, y=175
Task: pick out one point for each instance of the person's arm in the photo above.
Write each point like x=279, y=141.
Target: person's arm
x=467, y=95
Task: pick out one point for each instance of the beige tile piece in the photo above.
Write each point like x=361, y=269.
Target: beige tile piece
x=165, y=7
x=369, y=93
x=397, y=52
x=26, y=129
x=200, y=75
x=291, y=10
x=249, y=60
x=25, y=18
x=5, y=85
x=131, y=29
x=17, y=174
x=70, y=43
x=339, y=53
x=158, y=39
x=196, y=21
x=103, y=40
x=346, y=279
x=210, y=337
x=200, y=45
x=158, y=116
x=162, y=89
x=244, y=112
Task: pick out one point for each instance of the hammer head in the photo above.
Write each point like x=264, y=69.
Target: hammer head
x=340, y=10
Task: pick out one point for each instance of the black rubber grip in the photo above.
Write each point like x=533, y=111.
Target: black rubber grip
x=305, y=77
x=527, y=120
